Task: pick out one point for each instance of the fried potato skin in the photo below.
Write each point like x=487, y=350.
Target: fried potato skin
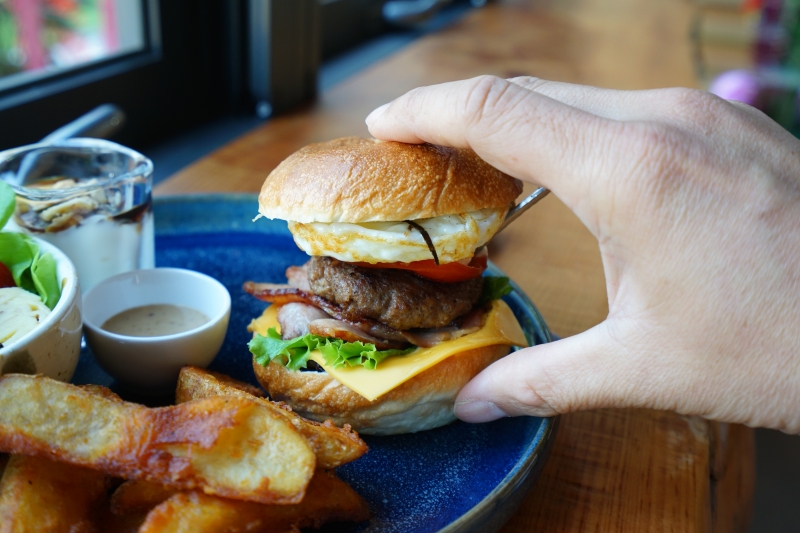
x=44, y=496
x=227, y=446
x=194, y=381
x=100, y=390
x=333, y=446
x=328, y=499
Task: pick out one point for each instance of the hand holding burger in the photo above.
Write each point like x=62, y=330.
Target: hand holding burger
x=695, y=202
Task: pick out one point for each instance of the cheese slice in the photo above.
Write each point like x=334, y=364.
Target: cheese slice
x=501, y=327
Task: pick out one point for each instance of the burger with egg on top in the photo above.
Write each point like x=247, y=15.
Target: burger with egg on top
x=392, y=315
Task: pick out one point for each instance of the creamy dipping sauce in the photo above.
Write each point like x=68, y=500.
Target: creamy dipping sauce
x=155, y=321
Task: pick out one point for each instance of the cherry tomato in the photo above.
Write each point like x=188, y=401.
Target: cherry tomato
x=449, y=273
x=6, y=279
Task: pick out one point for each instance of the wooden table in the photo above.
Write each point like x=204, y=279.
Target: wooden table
x=623, y=470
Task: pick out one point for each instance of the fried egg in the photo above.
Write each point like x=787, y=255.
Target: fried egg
x=455, y=238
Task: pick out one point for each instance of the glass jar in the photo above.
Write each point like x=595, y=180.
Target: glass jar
x=89, y=197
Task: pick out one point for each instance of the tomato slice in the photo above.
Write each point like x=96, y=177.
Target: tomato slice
x=449, y=273
x=6, y=279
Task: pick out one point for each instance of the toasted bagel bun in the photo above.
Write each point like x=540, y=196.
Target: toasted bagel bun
x=358, y=180
x=423, y=402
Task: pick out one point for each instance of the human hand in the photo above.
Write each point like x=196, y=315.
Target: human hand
x=695, y=203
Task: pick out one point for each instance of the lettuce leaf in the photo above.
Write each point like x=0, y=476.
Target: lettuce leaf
x=294, y=353
x=45, y=279
x=31, y=270
x=8, y=200
x=494, y=288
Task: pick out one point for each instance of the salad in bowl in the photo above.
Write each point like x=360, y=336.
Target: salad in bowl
x=40, y=323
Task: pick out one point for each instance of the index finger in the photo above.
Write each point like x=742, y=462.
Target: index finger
x=521, y=132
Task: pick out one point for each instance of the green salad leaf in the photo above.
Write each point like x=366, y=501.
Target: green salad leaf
x=494, y=288
x=8, y=199
x=294, y=353
x=33, y=271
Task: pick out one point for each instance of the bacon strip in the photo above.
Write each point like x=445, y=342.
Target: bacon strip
x=283, y=294
x=297, y=276
x=295, y=317
x=469, y=323
x=365, y=329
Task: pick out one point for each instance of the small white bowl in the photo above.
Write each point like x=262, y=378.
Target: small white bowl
x=150, y=365
x=51, y=348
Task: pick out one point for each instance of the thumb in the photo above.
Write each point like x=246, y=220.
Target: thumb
x=586, y=371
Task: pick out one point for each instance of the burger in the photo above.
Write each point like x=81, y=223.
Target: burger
x=392, y=314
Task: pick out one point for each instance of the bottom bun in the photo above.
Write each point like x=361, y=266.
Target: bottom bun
x=423, y=402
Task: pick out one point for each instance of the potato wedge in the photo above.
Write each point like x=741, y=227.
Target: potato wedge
x=233, y=447
x=100, y=390
x=194, y=383
x=328, y=499
x=137, y=496
x=333, y=446
x=44, y=496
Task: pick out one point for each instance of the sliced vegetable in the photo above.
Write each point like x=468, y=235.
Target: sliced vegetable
x=43, y=273
x=447, y=273
x=8, y=199
x=20, y=312
x=294, y=353
x=31, y=270
x=6, y=279
x=494, y=288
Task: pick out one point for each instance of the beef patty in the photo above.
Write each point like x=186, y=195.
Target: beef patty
x=398, y=298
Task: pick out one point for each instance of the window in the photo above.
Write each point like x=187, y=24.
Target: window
x=42, y=39
x=171, y=65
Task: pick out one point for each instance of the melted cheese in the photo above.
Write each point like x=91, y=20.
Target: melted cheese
x=501, y=328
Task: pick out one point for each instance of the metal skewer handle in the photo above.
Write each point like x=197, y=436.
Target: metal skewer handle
x=523, y=206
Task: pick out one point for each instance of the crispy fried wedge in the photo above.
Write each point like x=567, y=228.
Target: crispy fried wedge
x=194, y=380
x=233, y=447
x=328, y=499
x=44, y=496
x=137, y=496
x=100, y=390
x=333, y=446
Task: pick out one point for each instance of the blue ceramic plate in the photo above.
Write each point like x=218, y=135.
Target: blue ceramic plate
x=459, y=478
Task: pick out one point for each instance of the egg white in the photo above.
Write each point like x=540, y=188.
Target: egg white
x=455, y=238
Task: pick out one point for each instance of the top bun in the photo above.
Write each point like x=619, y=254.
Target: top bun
x=366, y=180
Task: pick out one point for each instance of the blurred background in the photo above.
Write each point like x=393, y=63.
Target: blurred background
x=175, y=65
x=191, y=75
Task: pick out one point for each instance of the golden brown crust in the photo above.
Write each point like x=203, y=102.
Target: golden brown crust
x=333, y=446
x=423, y=402
x=361, y=180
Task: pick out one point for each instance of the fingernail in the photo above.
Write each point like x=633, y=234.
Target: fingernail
x=375, y=115
x=478, y=411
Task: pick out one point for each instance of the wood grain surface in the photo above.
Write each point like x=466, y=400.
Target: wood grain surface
x=610, y=470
